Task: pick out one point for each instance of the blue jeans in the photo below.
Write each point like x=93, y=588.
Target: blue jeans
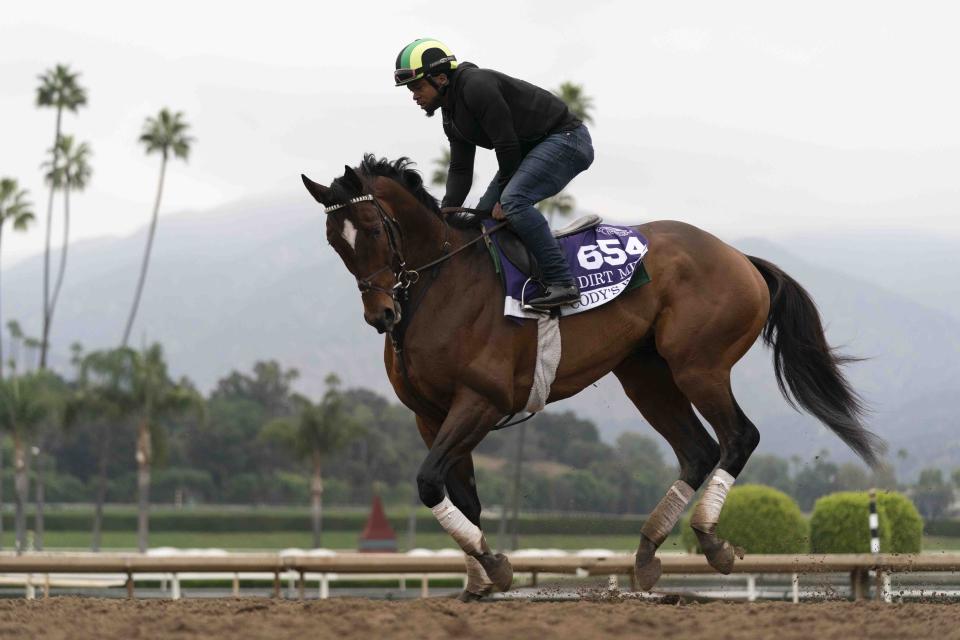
x=543, y=173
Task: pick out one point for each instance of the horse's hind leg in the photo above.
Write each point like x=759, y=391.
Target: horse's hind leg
x=648, y=382
x=710, y=392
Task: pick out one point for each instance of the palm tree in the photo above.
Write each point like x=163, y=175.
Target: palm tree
x=15, y=208
x=442, y=164
x=24, y=406
x=562, y=203
x=58, y=89
x=154, y=394
x=101, y=400
x=315, y=431
x=72, y=174
x=579, y=103
x=16, y=337
x=165, y=133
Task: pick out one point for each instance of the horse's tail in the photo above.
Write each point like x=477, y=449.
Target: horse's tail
x=807, y=368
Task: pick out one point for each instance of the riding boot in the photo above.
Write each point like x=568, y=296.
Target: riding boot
x=534, y=231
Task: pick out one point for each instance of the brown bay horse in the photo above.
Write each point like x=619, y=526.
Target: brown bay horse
x=463, y=366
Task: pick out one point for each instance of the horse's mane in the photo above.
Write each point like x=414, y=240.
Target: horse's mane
x=399, y=171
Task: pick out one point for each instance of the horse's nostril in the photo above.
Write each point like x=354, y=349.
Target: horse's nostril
x=389, y=315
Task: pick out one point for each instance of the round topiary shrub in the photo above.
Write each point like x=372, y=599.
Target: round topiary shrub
x=840, y=523
x=760, y=519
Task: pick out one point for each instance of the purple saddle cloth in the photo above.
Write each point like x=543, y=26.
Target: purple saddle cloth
x=605, y=260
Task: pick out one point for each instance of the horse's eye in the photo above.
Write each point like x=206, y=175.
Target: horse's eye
x=373, y=233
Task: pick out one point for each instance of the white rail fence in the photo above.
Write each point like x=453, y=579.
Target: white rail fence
x=170, y=567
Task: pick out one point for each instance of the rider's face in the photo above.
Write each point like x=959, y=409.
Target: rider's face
x=425, y=95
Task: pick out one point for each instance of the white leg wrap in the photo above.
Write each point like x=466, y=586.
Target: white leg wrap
x=477, y=580
x=667, y=512
x=707, y=512
x=467, y=534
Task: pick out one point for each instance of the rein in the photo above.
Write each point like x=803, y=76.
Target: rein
x=405, y=278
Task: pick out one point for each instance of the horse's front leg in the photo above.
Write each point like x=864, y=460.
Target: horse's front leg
x=449, y=465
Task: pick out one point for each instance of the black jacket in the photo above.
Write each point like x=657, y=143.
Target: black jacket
x=489, y=109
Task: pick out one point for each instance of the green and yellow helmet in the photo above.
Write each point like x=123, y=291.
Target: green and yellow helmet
x=421, y=58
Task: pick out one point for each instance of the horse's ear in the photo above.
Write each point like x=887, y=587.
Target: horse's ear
x=317, y=190
x=353, y=178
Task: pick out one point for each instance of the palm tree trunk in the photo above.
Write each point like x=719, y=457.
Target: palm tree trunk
x=316, y=502
x=63, y=250
x=46, y=250
x=146, y=254
x=143, y=486
x=40, y=489
x=1, y=492
x=1, y=330
x=21, y=487
x=517, y=475
x=101, y=496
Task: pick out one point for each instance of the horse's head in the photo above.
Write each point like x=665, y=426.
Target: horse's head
x=366, y=236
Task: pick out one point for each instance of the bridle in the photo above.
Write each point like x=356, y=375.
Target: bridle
x=405, y=278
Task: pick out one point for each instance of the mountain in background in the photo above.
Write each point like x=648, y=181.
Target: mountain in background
x=256, y=280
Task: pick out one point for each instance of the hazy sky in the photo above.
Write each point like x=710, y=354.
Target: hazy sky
x=287, y=87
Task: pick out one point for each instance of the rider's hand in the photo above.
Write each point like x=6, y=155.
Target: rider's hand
x=498, y=213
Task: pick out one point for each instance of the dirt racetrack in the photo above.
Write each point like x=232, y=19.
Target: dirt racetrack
x=104, y=619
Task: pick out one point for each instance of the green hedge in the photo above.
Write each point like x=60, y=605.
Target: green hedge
x=760, y=519
x=840, y=523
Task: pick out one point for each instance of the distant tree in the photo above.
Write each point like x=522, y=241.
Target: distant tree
x=72, y=174
x=58, y=89
x=315, y=431
x=932, y=495
x=25, y=404
x=852, y=477
x=814, y=480
x=561, y=204
x=579, y=103
x=769, y=470
x=643, y=476
x=955, y=476
x=270, y=386
x=101, y=402
x=136, y=385
x=165, y=134
x=15, y=209
x=439, y=176
x=16, y=338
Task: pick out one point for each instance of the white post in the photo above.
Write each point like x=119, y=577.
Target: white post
x=887, y=593
x=324, y=586
x=31, y=591
x=751, y=588
x=613, y=583
x=796, y=588
x=236, y=585
x=174, y=586
x=425, y=586
x=292, y=586
x=403, y=583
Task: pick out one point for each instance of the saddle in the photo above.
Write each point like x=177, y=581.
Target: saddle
x=511, y=244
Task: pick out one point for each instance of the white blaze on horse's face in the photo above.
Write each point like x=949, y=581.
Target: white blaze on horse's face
x=350, y=234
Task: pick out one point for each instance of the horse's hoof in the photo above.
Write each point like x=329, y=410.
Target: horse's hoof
x=498, y=569
x=648, y=574
x=723, y=556
x=467, y=596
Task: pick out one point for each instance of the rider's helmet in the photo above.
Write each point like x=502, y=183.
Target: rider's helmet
x=421, y=58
